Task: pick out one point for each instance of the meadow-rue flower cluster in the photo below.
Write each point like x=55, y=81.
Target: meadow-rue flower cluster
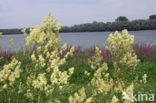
x=120, y=47
x=10, y=73
x=144, y=79
x=44, y=75
x=11, y=42
x=24, y=33
x=46, y=34
x=115, y=99
x=86, y=73
x=40, y=82
x=0, y=35
x=96, y=60
x=80, y=97
x=129, y=92
x=102, y=85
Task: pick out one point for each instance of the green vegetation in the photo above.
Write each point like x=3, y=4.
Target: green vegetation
x=79, y=61
x=121, y=18
x=48, y=73
x=152, y=17
x=13, y=31
x=120, y=23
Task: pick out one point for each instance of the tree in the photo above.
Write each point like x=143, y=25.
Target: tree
x=122, y=18
x=152, y=17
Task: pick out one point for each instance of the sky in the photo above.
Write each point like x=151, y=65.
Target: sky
x=29, y=13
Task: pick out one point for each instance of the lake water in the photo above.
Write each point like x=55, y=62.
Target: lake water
x=83, y=39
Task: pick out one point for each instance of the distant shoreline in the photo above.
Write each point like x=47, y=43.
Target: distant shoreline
x=81, y=32
x=119, y=24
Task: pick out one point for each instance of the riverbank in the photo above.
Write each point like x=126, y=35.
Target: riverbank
x=20, y=33
x=133, y=25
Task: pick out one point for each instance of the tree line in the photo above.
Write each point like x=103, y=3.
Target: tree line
x=120, y=23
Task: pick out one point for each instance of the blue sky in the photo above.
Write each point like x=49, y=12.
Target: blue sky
x=28, y=13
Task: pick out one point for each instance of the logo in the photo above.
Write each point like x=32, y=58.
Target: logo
x=140, y=97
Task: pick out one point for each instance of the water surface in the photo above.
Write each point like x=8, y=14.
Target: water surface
x=83, y=39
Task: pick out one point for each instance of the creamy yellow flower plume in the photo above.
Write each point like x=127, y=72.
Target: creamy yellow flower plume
x=0, y=35
x=80, y=97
